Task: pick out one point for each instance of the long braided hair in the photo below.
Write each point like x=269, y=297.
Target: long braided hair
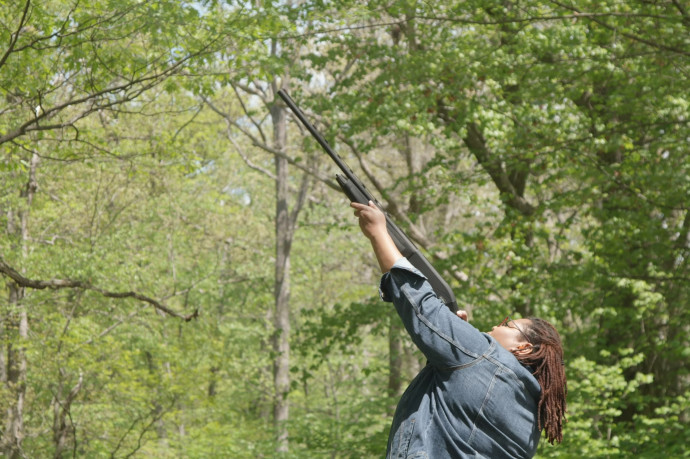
x=546, y=362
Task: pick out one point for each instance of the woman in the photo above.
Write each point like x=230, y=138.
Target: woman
x=480, y=394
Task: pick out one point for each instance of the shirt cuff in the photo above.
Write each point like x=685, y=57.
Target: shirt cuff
x=401, y=264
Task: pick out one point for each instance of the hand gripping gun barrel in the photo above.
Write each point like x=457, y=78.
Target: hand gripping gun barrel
x=357, y=192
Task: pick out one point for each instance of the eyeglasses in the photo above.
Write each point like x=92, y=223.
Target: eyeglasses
x=505, y=324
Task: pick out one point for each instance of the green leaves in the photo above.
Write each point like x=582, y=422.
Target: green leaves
x=538, y=152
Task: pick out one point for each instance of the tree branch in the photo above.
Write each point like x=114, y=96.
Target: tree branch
x=477, y=145
x=15, y=36
x=56, y=284
x=132, y=89
x=633, y=37
x=264, y=146
x=246, y=112
x=410, y=18
x=392, y=205
x=682, y=10
x=299, y=203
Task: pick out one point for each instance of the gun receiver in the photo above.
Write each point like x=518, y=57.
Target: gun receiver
x=357, y=192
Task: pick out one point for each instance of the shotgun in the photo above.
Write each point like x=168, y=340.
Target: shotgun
x=355, y=190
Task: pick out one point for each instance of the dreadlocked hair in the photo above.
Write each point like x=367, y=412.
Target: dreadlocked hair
x=546, y=362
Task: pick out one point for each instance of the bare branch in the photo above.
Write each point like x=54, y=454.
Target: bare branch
x=113, y=326
x=246, y=112
x=557, y=17
x=633, y=37
x=56, y=284
x=248, y=161
x=156, y=415
x=401, y=22
x=682, y=10
x=301, y=199
x=264, y=146
x=188, y=122
x=55, y=39
x=130, y=88
x=15, y=36
x=392, y=205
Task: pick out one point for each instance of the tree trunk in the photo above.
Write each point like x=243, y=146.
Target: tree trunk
x=281, y=343
x=15, y=382
x=63, y=433
x=15, y=363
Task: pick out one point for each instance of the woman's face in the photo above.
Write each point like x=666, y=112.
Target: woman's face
x=509, y=335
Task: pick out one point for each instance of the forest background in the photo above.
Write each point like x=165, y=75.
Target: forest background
x=182, y=277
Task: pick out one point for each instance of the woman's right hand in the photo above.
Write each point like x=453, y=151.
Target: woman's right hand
x=372, y=220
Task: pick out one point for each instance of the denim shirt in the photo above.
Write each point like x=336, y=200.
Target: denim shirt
x=473, y=399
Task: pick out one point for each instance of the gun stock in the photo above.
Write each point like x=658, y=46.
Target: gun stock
x=355, y=190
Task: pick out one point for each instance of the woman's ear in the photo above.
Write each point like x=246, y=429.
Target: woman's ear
x=522, y=349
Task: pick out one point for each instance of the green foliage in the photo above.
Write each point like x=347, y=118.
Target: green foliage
x=582, y=109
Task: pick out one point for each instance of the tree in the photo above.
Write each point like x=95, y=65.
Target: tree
x=562, y=110
x=275, y=61
x=536, y=151
x=64, y=62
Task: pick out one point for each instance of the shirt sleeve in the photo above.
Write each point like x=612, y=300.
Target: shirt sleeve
x=444, y=338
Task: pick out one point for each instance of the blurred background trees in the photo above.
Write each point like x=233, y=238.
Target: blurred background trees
x=183, y=279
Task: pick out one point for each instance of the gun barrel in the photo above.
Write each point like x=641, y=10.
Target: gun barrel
x=355, y=190
x=317, y=135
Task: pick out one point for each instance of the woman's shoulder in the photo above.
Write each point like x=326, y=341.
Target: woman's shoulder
x=512, y=367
